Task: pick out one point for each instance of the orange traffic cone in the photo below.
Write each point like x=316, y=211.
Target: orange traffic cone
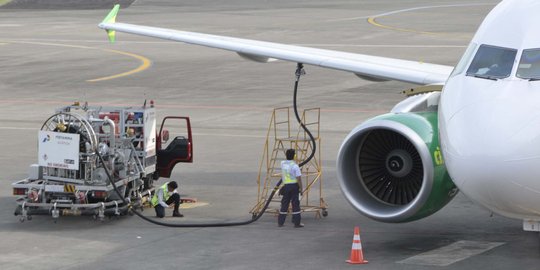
x=357, y=256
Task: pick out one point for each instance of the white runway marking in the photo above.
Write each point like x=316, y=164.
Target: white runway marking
x=452, y=253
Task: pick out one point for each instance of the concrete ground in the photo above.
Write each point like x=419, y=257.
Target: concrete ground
x=62, y=4
x=50, y=58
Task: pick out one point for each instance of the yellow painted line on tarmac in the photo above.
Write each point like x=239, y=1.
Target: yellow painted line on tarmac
x=145, y=62
x=192, y=205
x=184, y=205
x=144, y=65
x=372, y=21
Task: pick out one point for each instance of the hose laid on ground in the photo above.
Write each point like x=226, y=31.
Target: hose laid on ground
x=299, y=73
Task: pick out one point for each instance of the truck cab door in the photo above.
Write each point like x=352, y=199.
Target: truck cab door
x=174, y=144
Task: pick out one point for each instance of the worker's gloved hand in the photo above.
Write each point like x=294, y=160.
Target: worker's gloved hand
x=300, y=196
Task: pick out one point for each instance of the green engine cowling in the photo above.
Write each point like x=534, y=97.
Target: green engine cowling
x=391, y=169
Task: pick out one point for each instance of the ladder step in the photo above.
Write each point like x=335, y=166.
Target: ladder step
x=285, y=135
x=303, y=150
x=293, y=140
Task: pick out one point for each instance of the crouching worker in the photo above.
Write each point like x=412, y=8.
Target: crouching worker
x=164, y=196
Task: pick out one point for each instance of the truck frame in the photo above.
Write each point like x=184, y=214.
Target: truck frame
x=71, y=180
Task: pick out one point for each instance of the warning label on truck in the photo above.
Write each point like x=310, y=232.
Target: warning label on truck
x=58, y=150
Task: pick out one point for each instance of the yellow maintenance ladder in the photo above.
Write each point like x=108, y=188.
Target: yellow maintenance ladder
x=279, y=138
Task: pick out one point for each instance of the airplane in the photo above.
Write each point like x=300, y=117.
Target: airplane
x=473, y=128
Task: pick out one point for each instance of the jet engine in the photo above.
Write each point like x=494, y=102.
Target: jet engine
x=391, y=169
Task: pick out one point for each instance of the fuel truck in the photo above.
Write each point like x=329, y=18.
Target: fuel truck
x=83, y=150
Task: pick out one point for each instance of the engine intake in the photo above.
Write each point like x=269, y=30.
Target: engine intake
x=388, y=171
x=390, y=167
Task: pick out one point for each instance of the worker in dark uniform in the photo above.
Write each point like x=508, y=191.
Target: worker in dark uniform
x=291, y=189
x=164, y=196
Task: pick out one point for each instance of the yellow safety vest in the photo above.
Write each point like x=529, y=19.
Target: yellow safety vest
x=286, y=167
x=165, y=189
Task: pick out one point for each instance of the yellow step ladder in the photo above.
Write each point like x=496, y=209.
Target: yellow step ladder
x=279, y=138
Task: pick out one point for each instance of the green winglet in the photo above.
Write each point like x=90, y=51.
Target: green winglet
x=111, y=18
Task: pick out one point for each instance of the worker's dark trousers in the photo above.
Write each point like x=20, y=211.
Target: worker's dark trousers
x=160, y=210
x=290, y=195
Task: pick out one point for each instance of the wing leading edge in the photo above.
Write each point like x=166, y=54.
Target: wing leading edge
x=365, y=66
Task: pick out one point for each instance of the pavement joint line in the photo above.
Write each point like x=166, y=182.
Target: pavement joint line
x=194, y=134
x=145, y=62
x=452, y=253
x=206, y=107
x=18, y=128
x=297, y=44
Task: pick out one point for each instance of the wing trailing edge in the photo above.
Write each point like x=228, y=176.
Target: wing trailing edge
x=364, y=66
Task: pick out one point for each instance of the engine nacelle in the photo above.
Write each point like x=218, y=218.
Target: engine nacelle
x=391, y=169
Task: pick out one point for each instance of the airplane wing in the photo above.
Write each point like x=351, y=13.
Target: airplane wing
x=365, y=66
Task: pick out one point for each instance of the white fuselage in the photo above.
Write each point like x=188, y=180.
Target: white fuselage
x=490, y=119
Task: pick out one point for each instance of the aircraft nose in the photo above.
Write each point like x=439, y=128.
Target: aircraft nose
x=493, y=129
x=492, y=152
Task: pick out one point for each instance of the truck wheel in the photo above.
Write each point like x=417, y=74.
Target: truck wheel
x=148, y=183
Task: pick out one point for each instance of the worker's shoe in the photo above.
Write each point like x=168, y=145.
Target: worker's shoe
x=301, y=225
x=280, y=225
x=177, y=214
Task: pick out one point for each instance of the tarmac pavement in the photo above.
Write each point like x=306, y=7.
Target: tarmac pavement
x=51, y=58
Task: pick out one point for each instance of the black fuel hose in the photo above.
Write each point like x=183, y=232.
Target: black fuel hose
x=184, y=225
x=299, y=72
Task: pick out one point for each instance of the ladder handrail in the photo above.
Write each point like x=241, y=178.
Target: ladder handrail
x=312, y=171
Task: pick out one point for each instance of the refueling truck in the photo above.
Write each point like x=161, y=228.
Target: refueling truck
x=83, y=150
